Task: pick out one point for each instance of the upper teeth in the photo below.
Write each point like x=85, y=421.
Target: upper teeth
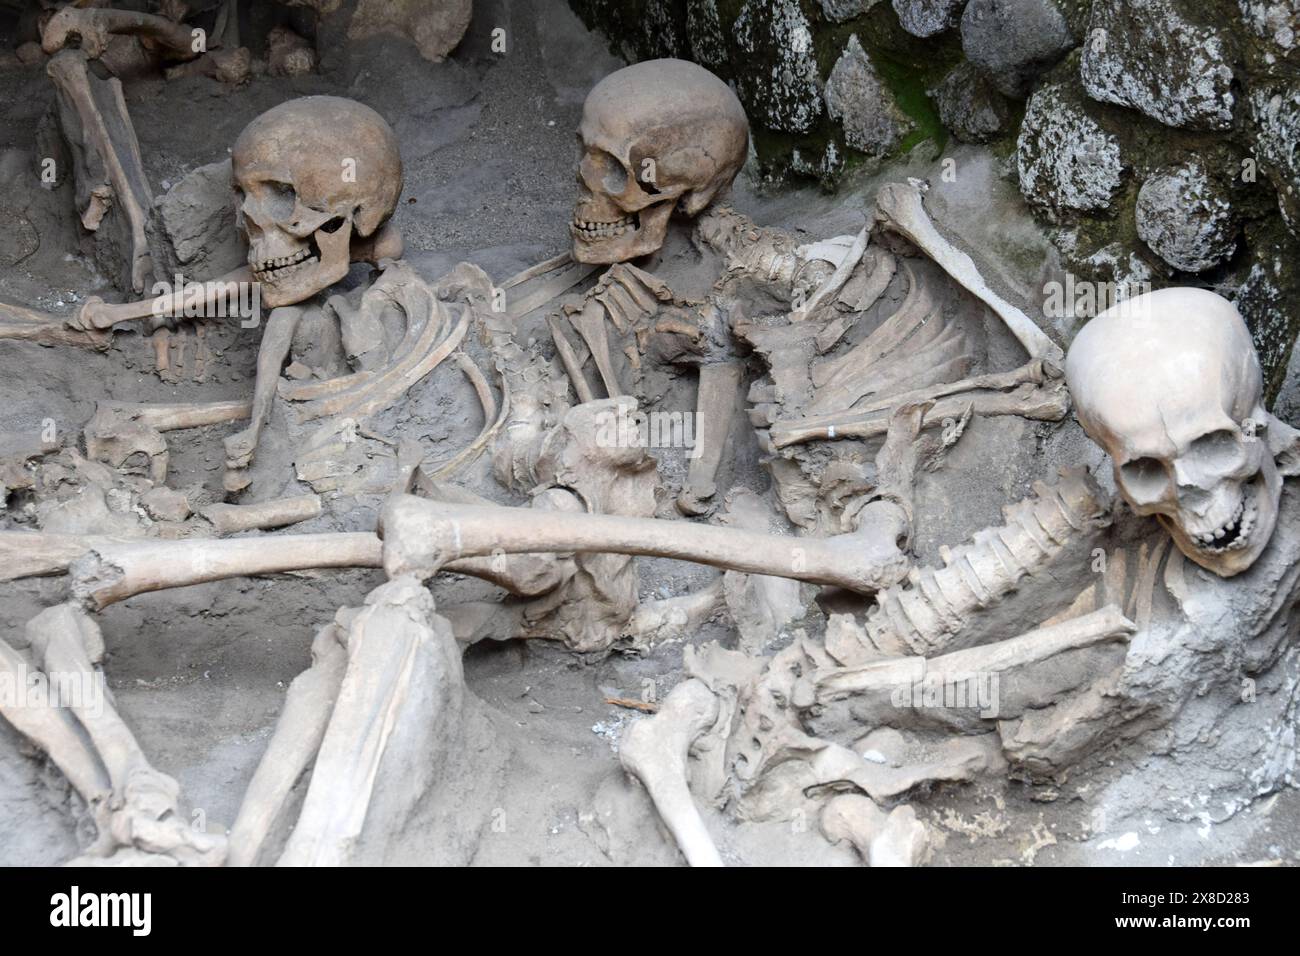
x=602, y=230
x=267, y=265
x=1244, y=514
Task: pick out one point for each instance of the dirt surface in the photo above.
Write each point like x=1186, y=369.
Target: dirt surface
x=488, y=149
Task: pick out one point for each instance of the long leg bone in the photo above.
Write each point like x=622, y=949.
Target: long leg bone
x=54, y=730
x=44, y=328
x=144, y=803
x=655, y=750
x=423, y=536
x=396, y=729
x=899, y=207
x=113, y=572
x=95, y=117
x=298, y=734
x=119, y=568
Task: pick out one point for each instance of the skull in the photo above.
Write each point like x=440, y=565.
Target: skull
x=313, y=176
x=656, y=136
x=1169, y=384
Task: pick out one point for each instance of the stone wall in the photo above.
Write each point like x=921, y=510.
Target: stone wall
x=1157, y=140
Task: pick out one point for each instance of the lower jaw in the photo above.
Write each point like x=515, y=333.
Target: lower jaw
x=613, y=249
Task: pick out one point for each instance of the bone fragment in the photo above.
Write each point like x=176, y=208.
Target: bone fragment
x=827, y=292
x=566, y=275
x=715, y=405
x=95, y=27
x=589, y=321
x=894, y=839
x=655, y=750
x=569, y=359
x=229, y=519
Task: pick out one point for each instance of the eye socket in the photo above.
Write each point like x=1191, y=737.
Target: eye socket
x=1145, y=479
x=1216, y=451
x=279, y=199
x=612, y=175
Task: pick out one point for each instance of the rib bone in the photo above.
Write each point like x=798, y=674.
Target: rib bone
x=899, y=207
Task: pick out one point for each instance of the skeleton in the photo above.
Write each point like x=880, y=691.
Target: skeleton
x=756, y=736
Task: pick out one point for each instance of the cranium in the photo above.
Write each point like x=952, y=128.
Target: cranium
x=314, y=177
x=656, y=136
x=1169, y=384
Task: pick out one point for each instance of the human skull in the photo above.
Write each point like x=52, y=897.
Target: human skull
x=656, y=136
x=1169, y=385
x=311, y=176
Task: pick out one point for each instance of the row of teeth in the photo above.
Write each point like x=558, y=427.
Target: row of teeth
x=1246, y=515
x=267, y=265
x=602, y=230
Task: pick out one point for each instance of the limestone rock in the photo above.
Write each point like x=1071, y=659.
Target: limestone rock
x=1145, y=54
x=856, y=96
x=705, y=35
x=780, y=84
x=925, y=18
x=1065, y=159
x=1013, y=41
x=969, y=107
x=1186, y=218
x=1275, y=122
x=1277, y=21
x=837, y=11
x=191, y=227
